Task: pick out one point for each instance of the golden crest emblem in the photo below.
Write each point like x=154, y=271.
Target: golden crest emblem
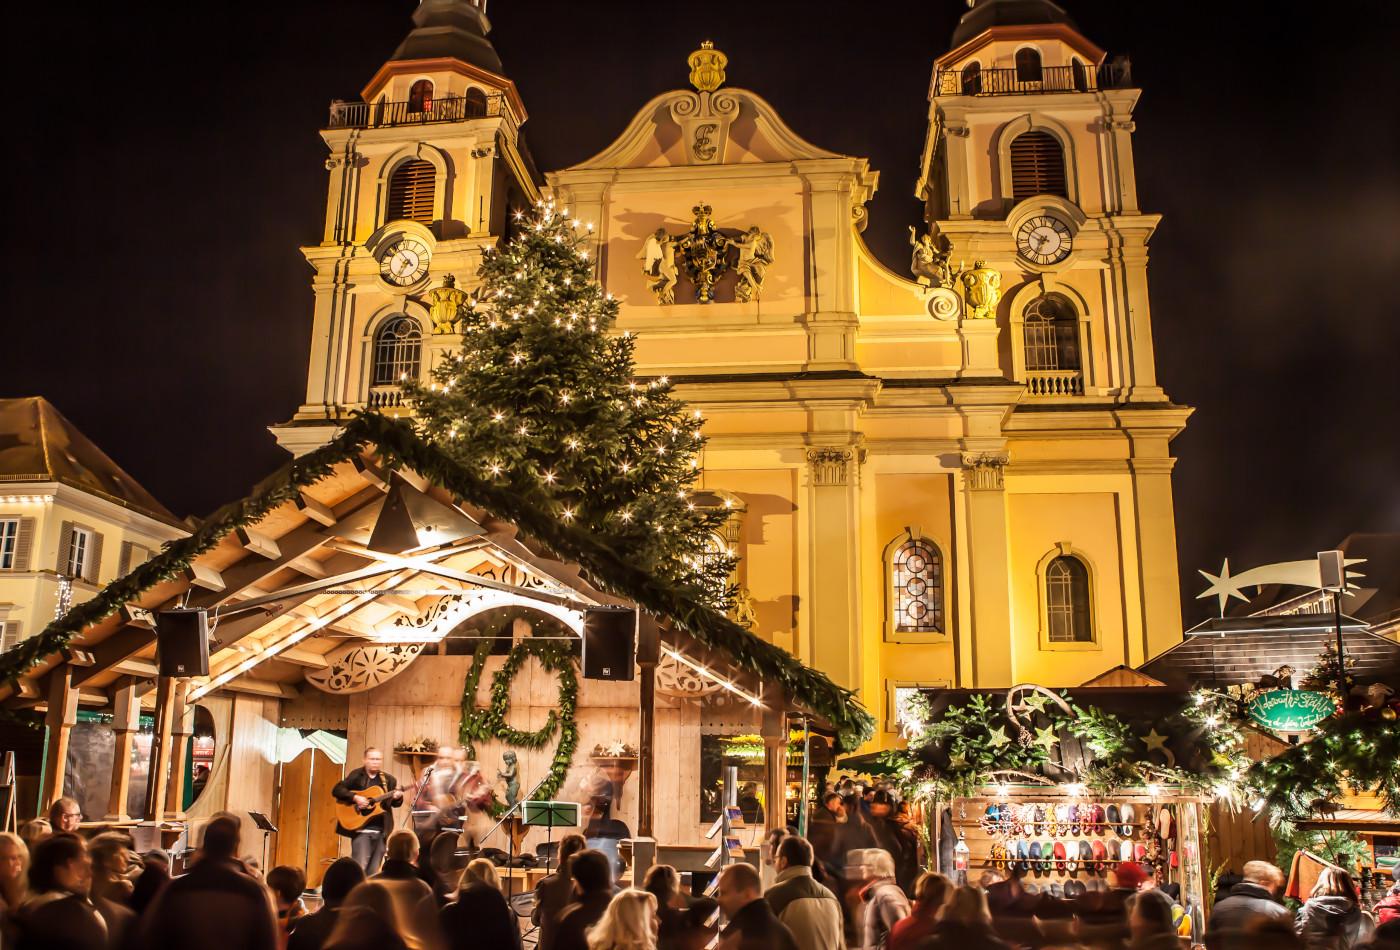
x=707, y=67
x=982, y=287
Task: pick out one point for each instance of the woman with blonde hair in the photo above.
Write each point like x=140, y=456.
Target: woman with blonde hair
x=965, y=924
x=480, y=918
x=14, y=881
x=34, y=830
x=629, y=923
x=1332, y=918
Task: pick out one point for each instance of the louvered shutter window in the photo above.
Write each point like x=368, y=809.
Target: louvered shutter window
x=9, y=543
x=9, y=633
x=65, y=547
x=1037, y=166
x=92, y=565
x=24, y=546
x=412, y=189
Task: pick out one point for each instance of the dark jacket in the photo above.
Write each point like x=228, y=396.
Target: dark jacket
x=757, y=928
x=1247, y=905
x=480, y=919
x=903, y=846
x=552, y=895
x=60, y=921
x=399, y=870
x=217, y=897
x=310, y=932
x=572, y=931
x=357, y=781
x=1332, y=923
x=952, y=935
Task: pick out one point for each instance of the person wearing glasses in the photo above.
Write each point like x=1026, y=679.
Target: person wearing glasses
x=65, y=816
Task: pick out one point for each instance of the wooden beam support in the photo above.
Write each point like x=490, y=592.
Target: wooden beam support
x=138, y=616
x=141, y=669
x=310, y=568
x=93, y=697
x=159, y=775
x=246, y=684
x=648, y=655
x=316, y=511
x=182, y=717
x=126, y=722
x=201, y=575
x=259, y=543
x=305, y=658
x=371, y=473
x=62, y=714
x=775, y=759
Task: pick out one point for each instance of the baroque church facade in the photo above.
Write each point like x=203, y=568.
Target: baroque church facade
x=956, y=474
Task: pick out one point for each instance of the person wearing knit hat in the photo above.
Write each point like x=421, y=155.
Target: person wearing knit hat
x=1128, y=875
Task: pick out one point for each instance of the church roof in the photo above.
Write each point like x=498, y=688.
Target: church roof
x=450, y=29
x=37, y=443
x=986, y=14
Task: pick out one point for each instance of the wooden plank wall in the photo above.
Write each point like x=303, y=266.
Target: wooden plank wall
x=252, y=760
x=1235, y=837
x=425, y=700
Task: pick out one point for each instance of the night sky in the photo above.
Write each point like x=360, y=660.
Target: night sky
x=164, y=168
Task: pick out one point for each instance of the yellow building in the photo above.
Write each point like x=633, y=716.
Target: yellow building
x=67, y=511
x=960, y=479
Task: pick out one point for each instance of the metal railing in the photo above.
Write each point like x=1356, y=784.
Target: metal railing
x=383, y=113
x=1116, y=74
x=1054, y=382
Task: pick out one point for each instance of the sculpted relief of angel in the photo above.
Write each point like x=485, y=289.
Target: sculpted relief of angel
x=755, y=254
x=658, y=257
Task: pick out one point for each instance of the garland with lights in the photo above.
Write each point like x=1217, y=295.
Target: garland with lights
x=545, y=403
x=607, y=564
x=1355, y=750
x=984, y=742
x=483, y=724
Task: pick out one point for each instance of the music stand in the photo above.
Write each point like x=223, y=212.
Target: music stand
x=549, y=815
x=265, y=825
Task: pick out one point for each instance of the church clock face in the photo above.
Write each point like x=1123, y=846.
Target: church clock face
x=1044, y=240
x=404, y=262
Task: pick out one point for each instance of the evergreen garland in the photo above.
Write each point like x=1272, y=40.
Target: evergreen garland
x=1358, y=750
x=482, y=724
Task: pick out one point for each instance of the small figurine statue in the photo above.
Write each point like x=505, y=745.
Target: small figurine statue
x=755, y=254
x=510, y=774
x=929, y=263
x=658, y=257
x=982, y=287
x=446, y=305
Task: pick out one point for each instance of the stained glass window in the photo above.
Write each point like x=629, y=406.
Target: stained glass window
x=918, y=587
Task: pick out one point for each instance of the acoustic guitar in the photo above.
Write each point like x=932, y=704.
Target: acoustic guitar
x=352, y=817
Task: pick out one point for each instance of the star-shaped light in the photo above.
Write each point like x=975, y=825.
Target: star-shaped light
x=1154, y=741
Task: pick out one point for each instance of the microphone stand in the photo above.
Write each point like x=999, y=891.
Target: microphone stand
x=417, y=798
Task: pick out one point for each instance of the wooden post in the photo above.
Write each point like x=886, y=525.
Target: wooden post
x=63, y=713
x=126, y=723
x=160, y=748
x=775, y=757
x=648, y=653
x=182, y=719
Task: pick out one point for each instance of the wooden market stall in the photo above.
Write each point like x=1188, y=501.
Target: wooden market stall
x=354, y=601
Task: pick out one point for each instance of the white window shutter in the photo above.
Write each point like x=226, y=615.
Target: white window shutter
x=92, y=569
x=124, y=564
x=24, y=544
x=11, y=633
x=65, y=546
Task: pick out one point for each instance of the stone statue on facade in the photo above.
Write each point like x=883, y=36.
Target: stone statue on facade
x=447, y=305
x=658, y=257
x=982, y=291
x=929, y=262
x=755, y=254
x=702, y=250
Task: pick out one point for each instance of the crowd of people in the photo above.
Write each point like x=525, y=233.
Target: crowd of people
x=62, y=891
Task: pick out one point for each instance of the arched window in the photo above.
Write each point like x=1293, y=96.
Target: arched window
x=972, y=79
x=1051, y=335
x=398, y=347
x=412, y=192
x=474, y=103
x=1028, y=64
x=420, y=97
x=1067, y=601
x=917, y=595
x=1037, y=166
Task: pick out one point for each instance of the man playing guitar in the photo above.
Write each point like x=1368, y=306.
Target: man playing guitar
x=368, y=792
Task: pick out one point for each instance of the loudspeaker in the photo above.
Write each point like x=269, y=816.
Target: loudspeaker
x=608, y=635
x=1332, y=570
x=182, y=642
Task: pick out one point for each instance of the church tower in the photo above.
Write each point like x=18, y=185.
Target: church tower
x=423, y=172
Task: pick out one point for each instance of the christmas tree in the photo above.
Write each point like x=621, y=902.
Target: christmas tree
x=545, y=400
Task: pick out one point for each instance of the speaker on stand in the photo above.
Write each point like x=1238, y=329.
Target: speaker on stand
x=609, y=643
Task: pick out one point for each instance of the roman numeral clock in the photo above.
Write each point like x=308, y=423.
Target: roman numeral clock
x=1044, y=240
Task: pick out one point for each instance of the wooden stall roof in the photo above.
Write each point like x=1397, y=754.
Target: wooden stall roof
x=1354, y=819
x=300, y=565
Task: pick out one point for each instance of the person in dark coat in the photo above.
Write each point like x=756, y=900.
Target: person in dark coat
x=593, y=891
x=965, y=924
x=555, y=892
x=752, y=923
x=895, y=838
x=1332, y=918
x=480, y=918
x=367, y=841
x=310, y=932
x=218, y=903
x=401, y=863
x=58, y=914
x=1253, y=900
